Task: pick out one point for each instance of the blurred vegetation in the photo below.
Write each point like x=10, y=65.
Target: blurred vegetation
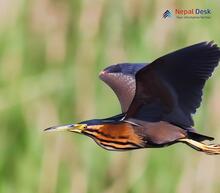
x=51, y=52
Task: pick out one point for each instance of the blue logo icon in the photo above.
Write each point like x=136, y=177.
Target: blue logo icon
x=167, y=14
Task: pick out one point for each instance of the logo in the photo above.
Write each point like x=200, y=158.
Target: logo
x=167, y=14
x=188, y=13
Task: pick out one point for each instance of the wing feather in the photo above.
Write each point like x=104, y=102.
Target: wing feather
x=172, y=84
x=121, y=79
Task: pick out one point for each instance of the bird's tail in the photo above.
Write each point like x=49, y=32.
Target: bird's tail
x=211, y=149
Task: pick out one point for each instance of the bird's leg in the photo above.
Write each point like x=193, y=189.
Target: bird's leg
x=211, y=149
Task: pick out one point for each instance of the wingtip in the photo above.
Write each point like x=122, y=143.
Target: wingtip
x=213, y=47
x=212, y=44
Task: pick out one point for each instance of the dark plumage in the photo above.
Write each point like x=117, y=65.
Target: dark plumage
x=157, y=101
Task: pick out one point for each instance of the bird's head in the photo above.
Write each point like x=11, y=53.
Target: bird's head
x=81, y=127
x=77, y=128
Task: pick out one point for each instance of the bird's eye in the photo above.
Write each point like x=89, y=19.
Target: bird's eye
x=84, y=126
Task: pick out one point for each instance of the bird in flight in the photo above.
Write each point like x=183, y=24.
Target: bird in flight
x=157, y=101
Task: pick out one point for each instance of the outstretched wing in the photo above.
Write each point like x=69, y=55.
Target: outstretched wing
x=121, y=78
x=170, y=88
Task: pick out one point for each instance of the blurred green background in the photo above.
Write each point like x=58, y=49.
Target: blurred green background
x=51, y=52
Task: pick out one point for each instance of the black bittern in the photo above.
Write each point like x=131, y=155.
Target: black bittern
x=157, y=101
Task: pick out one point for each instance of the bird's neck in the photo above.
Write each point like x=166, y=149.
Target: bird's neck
x=117, y=136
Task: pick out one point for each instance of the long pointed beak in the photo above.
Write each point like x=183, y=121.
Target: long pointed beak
x=78, y=128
